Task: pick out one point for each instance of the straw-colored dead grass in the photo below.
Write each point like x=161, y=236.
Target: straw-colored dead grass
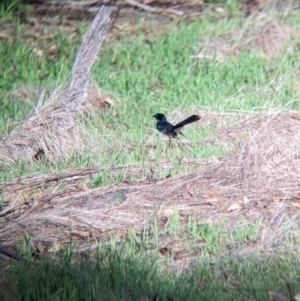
x=260, y=179
x=278, y=6
x=50, y=131
x=269, y=157
x=260, y=35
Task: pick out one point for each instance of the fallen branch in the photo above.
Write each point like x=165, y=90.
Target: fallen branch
x=154, y=9
x=87, y=56
x=50, y=130
x=24, y=193
x=10, y=254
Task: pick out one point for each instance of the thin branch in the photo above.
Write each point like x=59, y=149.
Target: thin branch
x=88, y=55
x=154, y=9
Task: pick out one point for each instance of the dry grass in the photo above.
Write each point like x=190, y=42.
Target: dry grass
x=259, y=35
x=50, y=131
x=259, y=179
x=270, y=155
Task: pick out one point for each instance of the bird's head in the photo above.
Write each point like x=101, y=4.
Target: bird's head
x=160, y=117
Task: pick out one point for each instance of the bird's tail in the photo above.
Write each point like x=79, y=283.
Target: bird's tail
x=189, y=120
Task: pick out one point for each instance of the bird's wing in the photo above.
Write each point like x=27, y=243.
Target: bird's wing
x=165, y=127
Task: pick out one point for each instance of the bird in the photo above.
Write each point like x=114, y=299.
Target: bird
x=167, y=128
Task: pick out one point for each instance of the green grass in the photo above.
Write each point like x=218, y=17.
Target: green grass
x=133, y=70
x=131, y=270
x=11, y=9
x=157, y=74
x=147, y=76
x=25, y=64
x=120, y=278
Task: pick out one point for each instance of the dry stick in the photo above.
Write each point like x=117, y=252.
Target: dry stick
x=36, y=182
x=41, y=203
x=50, y=130
x=88, y=5
x=154, y=9
x=40, y=179
x=88, y=54
x=9, y=254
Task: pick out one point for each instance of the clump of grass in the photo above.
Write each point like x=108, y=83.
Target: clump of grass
x=113, y=275
x=148, y=76
x=11, y=9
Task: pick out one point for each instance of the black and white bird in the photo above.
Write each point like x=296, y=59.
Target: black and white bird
x=167, y=128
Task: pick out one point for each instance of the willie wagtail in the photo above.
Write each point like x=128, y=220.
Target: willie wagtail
x=165, y=127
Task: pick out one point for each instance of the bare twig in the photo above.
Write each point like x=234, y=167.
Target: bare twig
x=154, y=9
x=10, y=255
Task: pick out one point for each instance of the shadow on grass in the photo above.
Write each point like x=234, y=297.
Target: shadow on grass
x=116, y=277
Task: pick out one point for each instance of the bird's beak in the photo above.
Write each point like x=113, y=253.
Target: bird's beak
x=154, y=116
